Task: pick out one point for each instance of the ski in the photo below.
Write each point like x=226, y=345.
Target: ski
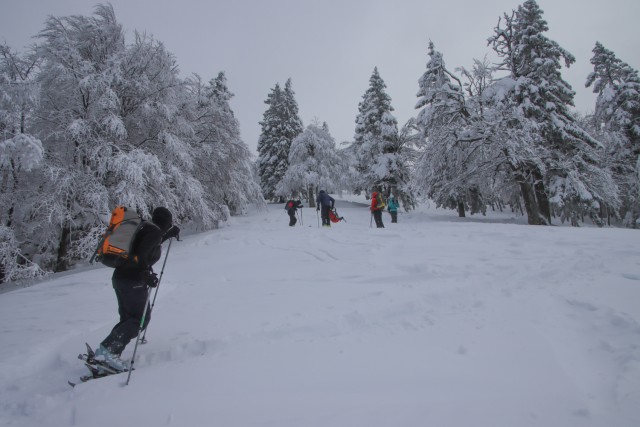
x=93, y=364
x=97, y=368
x=95, y=374
x=85, y=378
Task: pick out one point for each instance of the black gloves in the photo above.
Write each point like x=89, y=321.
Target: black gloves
x=152, y=279
x=172, y=232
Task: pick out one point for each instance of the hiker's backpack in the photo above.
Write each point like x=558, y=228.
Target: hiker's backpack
x=114, y=249
x=333, y=216
x=381, y=204
x=289, y=205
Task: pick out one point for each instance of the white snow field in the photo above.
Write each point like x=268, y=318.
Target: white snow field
x=434, y=321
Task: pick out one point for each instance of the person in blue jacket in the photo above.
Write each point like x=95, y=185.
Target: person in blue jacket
x=325, y=203
x=392, y=208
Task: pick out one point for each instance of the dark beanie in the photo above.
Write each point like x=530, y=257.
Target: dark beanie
x=162, y=218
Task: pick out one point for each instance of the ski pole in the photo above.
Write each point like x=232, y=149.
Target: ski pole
x=153, y=303
x=144, y=315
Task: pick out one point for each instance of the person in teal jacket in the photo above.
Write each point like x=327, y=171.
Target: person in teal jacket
x=392, y=208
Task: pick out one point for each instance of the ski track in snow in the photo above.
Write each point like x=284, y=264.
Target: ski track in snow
x=438, y=309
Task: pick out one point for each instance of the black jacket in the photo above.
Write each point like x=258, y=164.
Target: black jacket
x=146, y=250
x=325, y=200
x=296, y=204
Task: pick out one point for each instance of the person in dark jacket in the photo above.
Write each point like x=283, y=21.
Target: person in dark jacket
x=325, y=203
x=292, y=207
x=131, y=284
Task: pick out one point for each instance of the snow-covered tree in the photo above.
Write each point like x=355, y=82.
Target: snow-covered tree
x=19, y=156
x=13, y=265
x=74, y=101
x=19, y=151
x=160, y=134
x=441, y=168
x=376, y=139
x=18, y=90
x=268, y=144
x=617, y=123
x=314, y=165
x=566, y=178
x=224, y=164
x=279, y=126
x=618, y=87
x=110, y=122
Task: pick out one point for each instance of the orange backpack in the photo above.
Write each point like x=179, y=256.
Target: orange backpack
x=114, y=249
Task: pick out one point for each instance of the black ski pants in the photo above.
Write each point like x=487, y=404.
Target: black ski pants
x=377, y=216
x=324, y=214
x=292, y=217
x=132, y=297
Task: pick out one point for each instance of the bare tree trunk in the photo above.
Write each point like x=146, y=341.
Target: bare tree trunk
x=61, y=263
x=311, y=198
x=541, y=195
x=531, y=204
x=461, y=209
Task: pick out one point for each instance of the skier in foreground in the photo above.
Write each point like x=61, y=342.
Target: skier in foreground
x=131, y=284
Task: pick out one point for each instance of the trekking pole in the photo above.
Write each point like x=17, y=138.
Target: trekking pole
x=153, y=303
x=144, y=315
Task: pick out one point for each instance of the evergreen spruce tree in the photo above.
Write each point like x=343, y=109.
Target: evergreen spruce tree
x=375, y=137
x=568, y=179
x=280, y=125
x=617, y=122
x=618, y=89
x=267, y=143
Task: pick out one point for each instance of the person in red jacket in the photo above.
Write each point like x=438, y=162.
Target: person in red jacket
x=377, y=206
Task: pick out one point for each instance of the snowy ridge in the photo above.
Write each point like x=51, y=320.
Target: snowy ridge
x=435, y=320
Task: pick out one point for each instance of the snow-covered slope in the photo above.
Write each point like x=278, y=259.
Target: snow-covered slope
x=434, y=321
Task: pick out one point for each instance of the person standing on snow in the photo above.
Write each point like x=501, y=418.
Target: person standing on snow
x=392, y=207
x=292, y=207
x=325, y=203
x=377, y=206
x=131, y=284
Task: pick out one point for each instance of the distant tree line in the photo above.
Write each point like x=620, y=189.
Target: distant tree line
x=495, y=135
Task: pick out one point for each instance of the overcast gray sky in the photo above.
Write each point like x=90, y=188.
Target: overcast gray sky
x=330, y=47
